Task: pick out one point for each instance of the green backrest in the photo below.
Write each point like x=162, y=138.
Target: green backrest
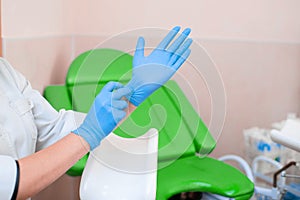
x=99, y=65
x=57, y=96
x=181, y=130
x=91, y=70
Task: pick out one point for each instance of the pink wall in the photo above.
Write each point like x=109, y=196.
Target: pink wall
x=255, y=45
x=213, y=19
x=32, y=18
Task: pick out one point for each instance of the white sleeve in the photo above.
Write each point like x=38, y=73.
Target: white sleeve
x=51, y=125
x=9, y=177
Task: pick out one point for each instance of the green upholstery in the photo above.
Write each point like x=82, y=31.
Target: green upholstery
x=182, y=133
x=202, y=174
x=90, y=71
x=58, y=97
x=171, y=114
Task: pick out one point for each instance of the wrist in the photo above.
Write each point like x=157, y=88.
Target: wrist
x=131, y=96
x=93, y=140
x=85, y=145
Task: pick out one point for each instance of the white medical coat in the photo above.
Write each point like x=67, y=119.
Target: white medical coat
x=28, y=123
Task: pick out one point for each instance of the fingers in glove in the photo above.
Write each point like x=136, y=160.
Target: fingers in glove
x=111, y=86
x=166, y=41
x=118, y=114
x=182, y=58
x=122, y=92
x=177, y=43
x=179, y=53
x=119, y=104
x=139, y=51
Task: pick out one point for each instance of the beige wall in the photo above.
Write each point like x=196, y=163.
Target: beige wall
x=34, y=18
x=213, y=19
x=254, y=44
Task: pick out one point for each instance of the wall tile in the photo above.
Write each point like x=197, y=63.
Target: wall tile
x=43, y=61
x=262, y=82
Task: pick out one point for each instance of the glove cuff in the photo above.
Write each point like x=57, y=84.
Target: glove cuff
x=131, y=98
x=91, y=139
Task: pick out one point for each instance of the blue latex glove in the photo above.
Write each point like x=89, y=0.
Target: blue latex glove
x=105, y=113
x=151, y=72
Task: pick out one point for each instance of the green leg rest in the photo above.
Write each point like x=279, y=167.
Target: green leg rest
x=203, y=140
x=57, y=96
x=202, y=175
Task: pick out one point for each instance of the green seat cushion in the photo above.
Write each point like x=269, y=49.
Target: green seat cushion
x=139, y=121
x=174, y=140
x=203, y=175
x=180, y=128
x=160, y=111
x=203, y=140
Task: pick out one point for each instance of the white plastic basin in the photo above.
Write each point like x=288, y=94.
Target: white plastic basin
x=122, y=169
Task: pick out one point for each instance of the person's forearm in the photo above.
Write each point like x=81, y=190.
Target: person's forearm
x=44, y=167
x=130, y=109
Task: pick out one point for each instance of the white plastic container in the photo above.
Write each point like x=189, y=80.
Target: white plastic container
x=122, y=169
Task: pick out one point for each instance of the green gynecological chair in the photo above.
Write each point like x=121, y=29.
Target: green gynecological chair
x=182, y=135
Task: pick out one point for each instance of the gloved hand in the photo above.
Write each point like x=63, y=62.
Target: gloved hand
x=105, y=113
x=151, y=72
